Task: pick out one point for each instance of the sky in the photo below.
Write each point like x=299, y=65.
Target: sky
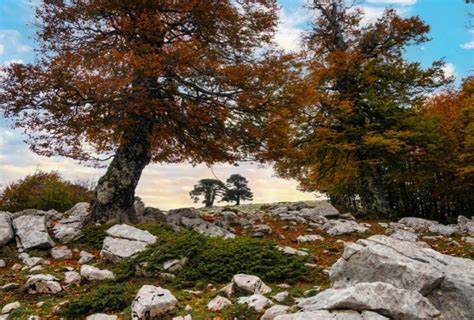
x=168, y=186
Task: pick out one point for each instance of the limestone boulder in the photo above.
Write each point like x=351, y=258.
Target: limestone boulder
x=61, y=252
x=250, y=283
x=272, y=312
x=6, y=229
x=338, y=227
x=381, y=297
x=448, y=282
x=69, y=228
x=43, y=283
x=152, y=303
x=203, y=227
x=31, y=232
x=256, y=302
x=92, y=273
x=101, y=316
x=333, y=315
x=466, y=225
x=124, y=241
x=218, y=303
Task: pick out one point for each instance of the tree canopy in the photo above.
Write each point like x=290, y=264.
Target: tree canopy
x=209, y=189
x=355, y=129
x=145, y=81
x=237, y=189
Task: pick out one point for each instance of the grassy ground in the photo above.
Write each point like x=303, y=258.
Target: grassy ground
x=202, y=277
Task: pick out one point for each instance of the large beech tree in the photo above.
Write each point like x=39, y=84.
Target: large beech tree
x=140, y=81
x=352, y=126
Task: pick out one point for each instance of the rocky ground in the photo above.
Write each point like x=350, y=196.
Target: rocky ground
x=283, y=261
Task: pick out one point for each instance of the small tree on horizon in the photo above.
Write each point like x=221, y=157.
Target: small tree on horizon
x=209, y=188
x=237, y=189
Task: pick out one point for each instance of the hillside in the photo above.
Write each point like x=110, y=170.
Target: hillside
x=281, y=261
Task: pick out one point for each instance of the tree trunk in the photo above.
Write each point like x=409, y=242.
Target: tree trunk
x=373, y=196
x=115, y=192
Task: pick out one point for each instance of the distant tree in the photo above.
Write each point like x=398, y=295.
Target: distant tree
x=209, y=189
x=43, y=191
x=237, y=189
x=145, y=81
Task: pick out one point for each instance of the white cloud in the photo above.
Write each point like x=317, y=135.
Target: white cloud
x=449, y=70
x=290, y=28
x=10, y=42
x=400, y=2
x=163, y=186
x=468, y=45
x=371, y=14
x=9, y=62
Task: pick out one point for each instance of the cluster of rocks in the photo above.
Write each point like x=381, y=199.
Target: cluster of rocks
x=386, y=278
x=393, y=276
x=32, y=228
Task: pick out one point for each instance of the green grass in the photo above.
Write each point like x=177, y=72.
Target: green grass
x=214, y=260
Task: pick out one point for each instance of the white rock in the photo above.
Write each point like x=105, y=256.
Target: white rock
x=85, y=257
x=250, y=283
x=309, y=238
x=218, y=303
x=206, y=228
x=6, y=229
x=35, y=269
x=376, y=296
x=72, y=277
x=10, y=307
x=469, y=240
x=43, y=283
x=280, y=297
x=256, y=302
x=321, y=209
x=275, y=311
x=92, y=273
x=448, y=282
x=3, y=264
x=101, y=316
x=115, y=249
x=445, y=230
x=466, y=225
x=291, y=251
x=404, y=235
x=126, y=231
x=61, y=252
x=31, y=232
x=174, y=265
x=417, y=223
x=30, y=261
x=333, y=315
x=69, y=228
x=187, y=317
x=338, y=227
x=152, y=302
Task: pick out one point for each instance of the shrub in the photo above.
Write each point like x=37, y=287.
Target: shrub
x=216, y=259
x=106, y=297
x=43, y=191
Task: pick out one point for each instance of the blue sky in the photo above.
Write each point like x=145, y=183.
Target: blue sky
x=167, y=186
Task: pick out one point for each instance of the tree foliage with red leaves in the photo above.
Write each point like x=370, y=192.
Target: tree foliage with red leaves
x=354, y=129
x=140, y=81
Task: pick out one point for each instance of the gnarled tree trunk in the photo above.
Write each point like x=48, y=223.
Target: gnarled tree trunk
x=115, y=192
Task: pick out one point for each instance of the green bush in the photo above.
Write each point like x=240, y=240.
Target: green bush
x=104, y=298
x=43, y=191
x=215, y=259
